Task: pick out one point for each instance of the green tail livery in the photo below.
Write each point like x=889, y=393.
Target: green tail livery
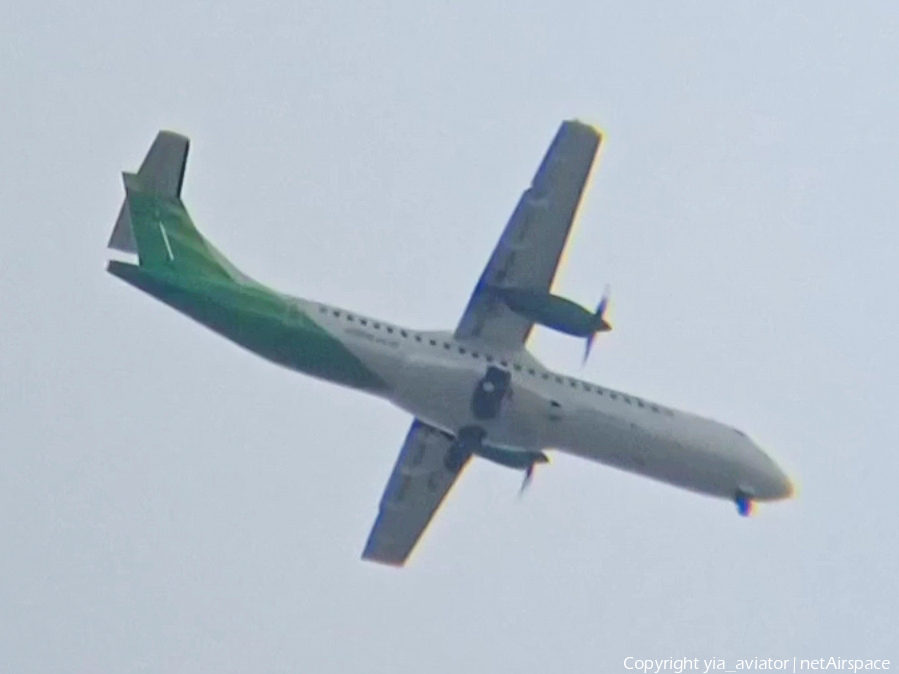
x=181, y=268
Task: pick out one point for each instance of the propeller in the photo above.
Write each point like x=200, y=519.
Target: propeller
x=529, y=471
x=528, y=478
x=600, y=324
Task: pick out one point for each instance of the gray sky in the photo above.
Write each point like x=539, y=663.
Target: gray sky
x=171, y=503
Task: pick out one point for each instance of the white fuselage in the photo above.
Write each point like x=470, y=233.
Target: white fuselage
x=433, y=377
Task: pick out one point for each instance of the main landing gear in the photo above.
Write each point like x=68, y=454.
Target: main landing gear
x=468, y=441
x=486, y=403
x=489, y=393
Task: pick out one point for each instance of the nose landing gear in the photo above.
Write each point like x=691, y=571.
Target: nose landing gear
x=744, y=504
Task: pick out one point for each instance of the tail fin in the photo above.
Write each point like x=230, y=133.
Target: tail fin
x=153, y=222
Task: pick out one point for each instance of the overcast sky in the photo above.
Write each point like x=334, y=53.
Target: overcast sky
x=171, y=503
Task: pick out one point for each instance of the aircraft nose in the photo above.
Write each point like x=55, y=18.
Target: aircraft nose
x=774, y=484
x=782, y=486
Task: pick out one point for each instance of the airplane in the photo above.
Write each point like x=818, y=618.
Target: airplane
x=476, y=391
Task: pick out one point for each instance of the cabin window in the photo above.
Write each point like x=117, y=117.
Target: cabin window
x=376, y=326
x=432, y=342
x=350, y=318
x=363, y=321
x=488, y=358
x=517, y=367
x=532, y=371
x=389, y=330
x=545, y=375
x=336, y=313
x=613, y=396
x=626, y=399
x=654, y=408
x=461, y=350
x=559, y=380
x=404, y=333
x=573, y=383
x=323, y=309
x=640, y=403
x=504, y=363
x=417, y=338
x=446, y=345
x=475, y=354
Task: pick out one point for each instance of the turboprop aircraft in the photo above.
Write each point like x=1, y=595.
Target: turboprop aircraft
x=475, y=391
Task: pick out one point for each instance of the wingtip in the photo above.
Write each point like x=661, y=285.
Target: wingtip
x=383, y=561
x=174, y=135
x=593, y=128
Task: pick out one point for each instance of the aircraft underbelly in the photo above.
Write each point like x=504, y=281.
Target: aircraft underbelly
x=441, y=392
x=664, y=451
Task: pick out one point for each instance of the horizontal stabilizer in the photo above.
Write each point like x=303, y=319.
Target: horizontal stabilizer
x=122, y=234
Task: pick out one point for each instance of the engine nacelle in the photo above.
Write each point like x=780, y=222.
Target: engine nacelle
x=511, y=458
x=552, y=311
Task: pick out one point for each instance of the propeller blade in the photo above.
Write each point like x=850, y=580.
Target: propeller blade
x=603, y=303
x=602, y=325
x=528, y=477
x=588, y=348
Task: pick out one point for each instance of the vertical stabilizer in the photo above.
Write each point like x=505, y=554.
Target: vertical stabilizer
x=162, y=171
x=153, y=222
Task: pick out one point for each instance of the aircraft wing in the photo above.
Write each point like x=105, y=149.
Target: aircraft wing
x=418, y=484
x=529, y=249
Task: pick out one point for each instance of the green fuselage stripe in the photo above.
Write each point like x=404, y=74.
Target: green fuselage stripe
x=263, y=321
